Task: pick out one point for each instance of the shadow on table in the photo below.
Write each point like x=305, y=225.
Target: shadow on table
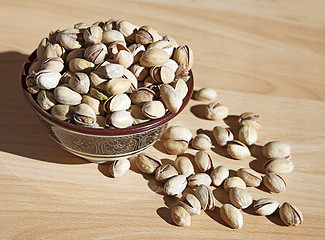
x=21, y=132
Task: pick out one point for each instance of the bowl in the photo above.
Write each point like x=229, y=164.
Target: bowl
x=101, y=145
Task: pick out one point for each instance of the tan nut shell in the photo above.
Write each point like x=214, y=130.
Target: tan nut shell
x=153, y=57
x=202, y=142
x=147, y=164
x=218, y=175
x=178, y=133
x=203, y=161
x=184, y=166
x=222, y=135
x=233, y=182
x=231, y=216
x=238, y=150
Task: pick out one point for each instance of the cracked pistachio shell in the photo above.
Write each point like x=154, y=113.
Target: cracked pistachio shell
x=266, y=206
x=76, y=53
x=94, y=103
x=119, y=167
x=170, y=98
x=222, y=135
x=233, y=182
x=219, y=174
x=250, y=177
x=54, y=63
x=80, y=65
x=81, y=25
x=127, y=29
x=191, y=204
x=114, y=48
x=198, y=179
x=231, y=216
x=202, y=142
x=47, y=79
x=203, y=161
x=96, y=81
x=146, y=35
x=290, y=214
x=175, y=147
x=206, y=94
x=148, y=82
x=50, y=51
x=140, y=72
x=205, y=197
x=165, y=172
x=63, y=112
x=97, y=94
x=117, y=102
x=180, y=87
x=279, y=166
x=31, y=84
x=137, y=114
x=164, y=45
x=80, y=83
x=238, y=150
x=250, y=118
x=65, y=77
x=117, y=85
x=134, y=82
x=178, y=133
x=124, y=58
x=275, y=183
x=183, y=55
x=84, y=115
x=142, y=95
x=182, y=73
x=172, y=64
x=136, y=50
x=96, y=53
x=46, y=99
x=70, y=38
x=112, y=70
x=67, y=96
x=171, y=40
x=147, y=164
x=216, y=111
x=93, y=34
x=162, y=74
x=110, y=24
x=121, y=119
x=240, y=198
x=153, y=109
x=175, y=185
x=41, y=48
x=112, y=36
x=276, y=149
x=247, y=135
x=184, y=166
x=180, y=216
x=153, y=57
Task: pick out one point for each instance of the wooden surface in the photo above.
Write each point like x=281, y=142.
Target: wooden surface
x=265, y=56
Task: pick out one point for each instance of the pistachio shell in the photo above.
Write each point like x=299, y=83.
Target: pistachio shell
x=63, y=112
x=250, y=177
x=70, y=38
x=153, y=57
x=80, y=65
x=240, y=198
x=146, y=35
x=164, y=172
x=54, y=63
x=204, y=161
x=170, y=98
x=218, y=175
x=184, y=166
x=206, y=94
x=180, y=87
x=127, y=29
x=121, y=119
x=162, y=74
x=137, y=114
x=290, y=214
x=154, y=109
x=96, y=53
x=233, y=182
x=80, y=83
x=147, y=164
x=180, y=216
x=47, y=79
x=250, y=118
x=142, y=95
x=205, y=196
x=119, y=167
x=231, y=216
x=93, y=34
x=84, y=115
x=140, y=72
x=117, y=86
x=198, y=179
x=175, y=147
x=96, y=81
x=175, y=185
x=117, y=102
x=67, y=96
x=222, y=135
x=276, y=149
x=76, y=53
x=183, y=55
x=124, y=57
x=164, y=45
x=247, y=135
x=238, y=150
x=112, y=36
x=275, y=183
x=191, y=204
x=202, y=142
x=216, y=111
x=266, y=206
x=112, y=70
x=46, y=99
x=93, y=103
x=279, y=166
x=178, y=133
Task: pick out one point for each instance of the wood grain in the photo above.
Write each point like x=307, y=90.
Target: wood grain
x=263, y=56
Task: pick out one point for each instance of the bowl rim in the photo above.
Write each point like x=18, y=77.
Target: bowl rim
x=95, y=131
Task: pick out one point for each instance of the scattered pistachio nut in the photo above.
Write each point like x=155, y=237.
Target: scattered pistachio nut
x=290, y=214
x=276, y=149
x=184, y=166
x=275, y=183
x=203, y=161
x=250, y=177
x=147, y=164
x=175, y=185
x=266, y=206
x=219, y=174
x=238, y=150
x=191, y=204
x=178, y=133
x=231, y=216
x=164, y=172
x=240, y=198
x=175, y=147
x=202, y=142
x=119, y=167
x=206, y=94
x=232, y=182
x=279, y=166
x=222, y=135
x=198, y=179
x=216, y=111
x=247, y=135
x=250, y=118
x=205, y=196
x=180, y=216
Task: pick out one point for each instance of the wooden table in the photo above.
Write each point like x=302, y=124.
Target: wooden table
x=262, y=56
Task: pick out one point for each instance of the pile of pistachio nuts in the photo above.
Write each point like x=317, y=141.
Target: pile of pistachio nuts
x=110, y=74
x=180, y=174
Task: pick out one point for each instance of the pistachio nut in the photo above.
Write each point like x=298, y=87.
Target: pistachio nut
x=112, y=36
x=199, y=179
x=275, y=183
x=250, y=177
x=219, y=174
x=146, y=35
x=80, y=65
x=249, y=118
x=206, y=94
x=97, y=94
x=96, y=81
x=63, y=112
x=170, y=98
x=47, y=79
x=67, y=96
x=127, y=29
x=153, y=57
x=137, y=114
x=205, y=196
x=112, y=70
x=238, y=150
x=183, y=55
x=120, y=119
x=175, y=185
x=191, y=204
x=175, y=147
x=266, y=206
x=46, y=99
x=50, y=51
x=35, y=67
x=172, y=64
x=153, y=109
x=147, y=164
x=119, y=167
x=117, y=85
x=140, y=72
x=222, y=135
x=76, y=53
x=94, y=103
x=41, y=48
x=202, y=142
x=180, y=216
x=65, y=77
x=96, y=53
x=134, y=82
x=54, y=63
x=164, y=45
x=180, y=87
x=141, y=96
x=162, y=74
x=60, y=51
x=240, y=198
x=124, y=57
x=164, y=172
x=232, y=182
x=93, y=34
x=216, y=111
x=184, y=166
x=178, y=133
x=247, y=135
x=171, y=40
x=182, y=73
x=231, y=216
x=279, y=166
x=277, y=149
x=81, y=26
x=110, y=25
x=70, y=38
x=148, y=82
x=80, y=83
x=31, y=84
x=204, y=161
x=117, y=102
x=136, y=50
x=290, y=214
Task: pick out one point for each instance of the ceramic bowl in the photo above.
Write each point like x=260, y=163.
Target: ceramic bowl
x=100, y=145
